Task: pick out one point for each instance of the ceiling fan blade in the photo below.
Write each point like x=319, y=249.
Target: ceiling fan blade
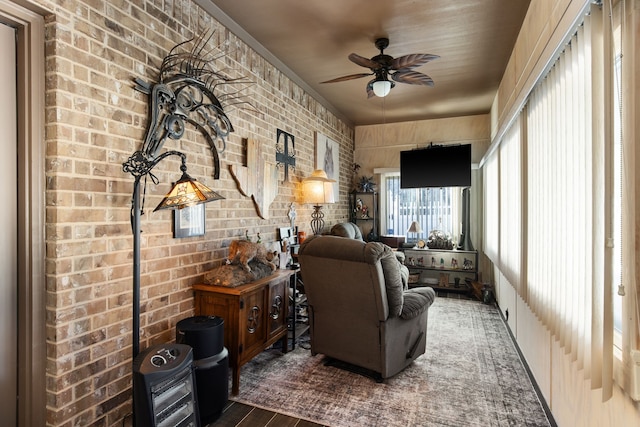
x=349, y=77
x=412, y=60
x=370, y=92
x=412, y=78
x=363, y=62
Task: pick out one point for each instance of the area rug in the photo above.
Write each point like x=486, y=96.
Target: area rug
x=471, y=375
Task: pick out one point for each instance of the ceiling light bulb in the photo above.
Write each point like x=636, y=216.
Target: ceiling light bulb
x=381, y=88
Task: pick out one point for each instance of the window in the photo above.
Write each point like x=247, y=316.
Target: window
x=433, y=208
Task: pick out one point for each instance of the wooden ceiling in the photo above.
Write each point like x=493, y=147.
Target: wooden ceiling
x=310, y=40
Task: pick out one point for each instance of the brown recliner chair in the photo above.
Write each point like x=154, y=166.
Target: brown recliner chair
x=360, y=311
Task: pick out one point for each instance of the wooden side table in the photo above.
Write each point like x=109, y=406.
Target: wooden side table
x=255, y=316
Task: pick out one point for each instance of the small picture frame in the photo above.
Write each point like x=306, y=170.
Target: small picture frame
x=328, y=159
x=189, y=221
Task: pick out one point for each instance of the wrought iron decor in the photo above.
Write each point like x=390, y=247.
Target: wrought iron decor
x=185, y=94
x=285, y=154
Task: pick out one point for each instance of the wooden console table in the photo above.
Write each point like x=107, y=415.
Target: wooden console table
x=255, y=316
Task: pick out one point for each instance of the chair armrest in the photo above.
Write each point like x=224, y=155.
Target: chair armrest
x=417, y=301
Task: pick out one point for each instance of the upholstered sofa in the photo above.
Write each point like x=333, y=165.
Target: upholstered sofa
x=360, y=311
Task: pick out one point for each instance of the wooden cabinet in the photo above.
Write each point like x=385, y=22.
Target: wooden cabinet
x=439, y=268
x=255, y=316
x=363, y=211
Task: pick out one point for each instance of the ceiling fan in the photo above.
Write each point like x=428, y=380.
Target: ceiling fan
x=382, y=66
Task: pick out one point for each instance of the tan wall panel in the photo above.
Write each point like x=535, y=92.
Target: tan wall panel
x=545, y=26
x=379, y=146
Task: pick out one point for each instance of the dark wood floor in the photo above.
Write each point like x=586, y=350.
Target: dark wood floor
x=241, y=415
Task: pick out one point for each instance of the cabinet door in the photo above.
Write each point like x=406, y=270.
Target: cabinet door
x=253, y=329
x=278, y=301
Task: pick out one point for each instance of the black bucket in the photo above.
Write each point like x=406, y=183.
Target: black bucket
x=204, y=333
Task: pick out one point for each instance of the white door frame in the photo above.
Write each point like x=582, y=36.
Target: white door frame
x=30, y=67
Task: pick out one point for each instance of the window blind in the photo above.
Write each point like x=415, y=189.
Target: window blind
x=491, y=193
x=565, y=208
x=511, y=233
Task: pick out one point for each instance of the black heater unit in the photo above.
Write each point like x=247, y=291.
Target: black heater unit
x=164, y=387
x=205, y=334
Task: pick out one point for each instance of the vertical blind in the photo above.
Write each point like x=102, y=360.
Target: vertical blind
x=432, y=208
x=560, y=250
x=490, y=194
x=545, y=205
x=511, y=206
x=566, y=205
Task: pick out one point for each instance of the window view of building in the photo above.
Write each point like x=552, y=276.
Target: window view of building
x=432, y=208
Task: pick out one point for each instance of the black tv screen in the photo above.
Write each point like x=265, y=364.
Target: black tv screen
x=436, y=166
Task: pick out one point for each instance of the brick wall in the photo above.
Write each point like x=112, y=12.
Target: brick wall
x=95, y=120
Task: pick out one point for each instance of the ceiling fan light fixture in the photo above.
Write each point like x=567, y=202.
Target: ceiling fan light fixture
x=381, y=88
x=384, y=66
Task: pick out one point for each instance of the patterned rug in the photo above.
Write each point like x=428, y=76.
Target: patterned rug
x=471, y=375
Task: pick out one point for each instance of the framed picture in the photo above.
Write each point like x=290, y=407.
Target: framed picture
x=328, y=159
x=189, y=221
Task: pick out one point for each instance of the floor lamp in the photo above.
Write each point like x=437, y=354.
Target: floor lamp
x=186, y=192
x=318, y=189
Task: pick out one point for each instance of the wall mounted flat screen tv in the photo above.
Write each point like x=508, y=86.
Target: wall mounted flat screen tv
x=436, y=166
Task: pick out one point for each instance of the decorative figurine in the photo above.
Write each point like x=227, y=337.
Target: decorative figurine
x=355, y=169
x=242, y=252
x=367, y=185
x=292, y=215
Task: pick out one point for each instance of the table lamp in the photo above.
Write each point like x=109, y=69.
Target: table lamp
x=318, y=189
x=414, y=229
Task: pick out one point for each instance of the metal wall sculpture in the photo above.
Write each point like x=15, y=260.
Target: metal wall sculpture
x=186, y=94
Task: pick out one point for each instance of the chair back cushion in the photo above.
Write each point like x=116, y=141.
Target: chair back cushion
x=365, y=266
x=347, y=229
